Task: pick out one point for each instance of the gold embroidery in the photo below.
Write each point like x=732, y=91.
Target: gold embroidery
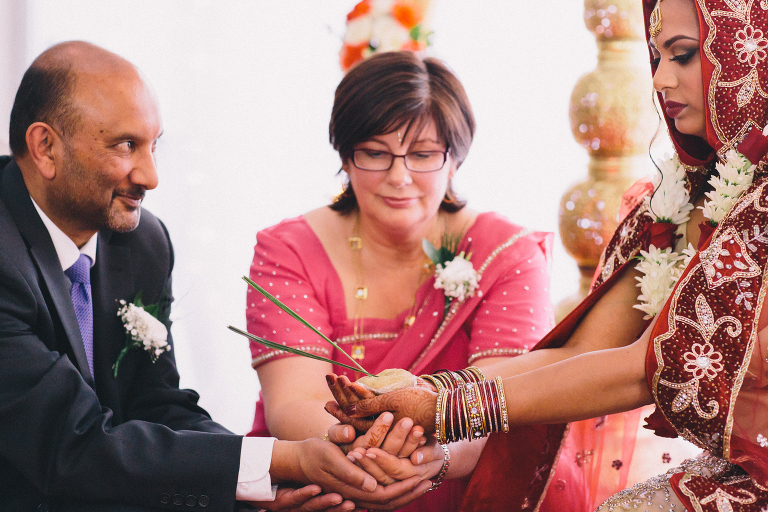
x=727, y=259
x=256, y=361
x=723, y=499
x=707, y=325
x=496, y=352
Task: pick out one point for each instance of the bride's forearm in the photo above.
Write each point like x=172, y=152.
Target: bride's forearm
x=586, y=386
x=612, y=322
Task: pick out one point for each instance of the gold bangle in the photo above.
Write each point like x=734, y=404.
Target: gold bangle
x=477, y=372
x=439, y=417
x=435, y=382
x=502, y=404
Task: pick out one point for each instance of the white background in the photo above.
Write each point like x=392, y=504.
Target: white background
x=246, y=89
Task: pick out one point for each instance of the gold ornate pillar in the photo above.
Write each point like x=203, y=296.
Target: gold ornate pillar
x=613, y=118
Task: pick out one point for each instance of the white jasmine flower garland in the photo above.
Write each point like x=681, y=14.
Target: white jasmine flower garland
x=735, y=176
x=661, y=270
x=671, y=204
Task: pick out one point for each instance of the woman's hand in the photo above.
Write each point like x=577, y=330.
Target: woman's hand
x=417, y=403
x=388, y=467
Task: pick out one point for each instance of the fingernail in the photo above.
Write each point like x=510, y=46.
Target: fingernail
x=351, y=458
x=350, y=410
x=371, y=455
x=387, y=418
x=407, y=424
x=341, y=383
x=419, y=457
x=347, y=432
x=330, y=379
x=418, y=434
x=369, y=484
x=357, y=455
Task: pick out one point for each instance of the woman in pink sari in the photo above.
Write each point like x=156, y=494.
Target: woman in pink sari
x=357, y=270
x=702, y=358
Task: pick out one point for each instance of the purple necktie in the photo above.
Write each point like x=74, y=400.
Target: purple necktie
x=80, y=275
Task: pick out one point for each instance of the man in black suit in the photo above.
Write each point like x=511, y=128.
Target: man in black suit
x=72, y=435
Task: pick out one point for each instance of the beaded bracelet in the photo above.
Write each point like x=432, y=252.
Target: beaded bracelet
x=444, y=469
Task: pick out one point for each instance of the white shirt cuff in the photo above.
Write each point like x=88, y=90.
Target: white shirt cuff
x=253, y=480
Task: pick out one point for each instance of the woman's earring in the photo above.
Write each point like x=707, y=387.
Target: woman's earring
x=450, y=195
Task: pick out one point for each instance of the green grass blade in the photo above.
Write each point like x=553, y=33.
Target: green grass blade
x=291, y=350
x=295, y=315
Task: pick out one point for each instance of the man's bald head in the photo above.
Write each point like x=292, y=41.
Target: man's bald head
x=47, y=90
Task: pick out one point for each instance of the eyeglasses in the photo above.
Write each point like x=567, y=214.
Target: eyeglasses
x=416, y=161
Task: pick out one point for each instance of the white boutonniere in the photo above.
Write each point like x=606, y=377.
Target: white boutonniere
x=454, y=273
x=143, y=329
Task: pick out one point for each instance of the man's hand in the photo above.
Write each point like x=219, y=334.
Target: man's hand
x=305, y=499
x=324, y=464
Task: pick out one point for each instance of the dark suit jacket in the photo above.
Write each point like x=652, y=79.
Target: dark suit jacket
x=137, y=439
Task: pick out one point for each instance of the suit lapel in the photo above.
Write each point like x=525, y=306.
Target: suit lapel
x=16, y=197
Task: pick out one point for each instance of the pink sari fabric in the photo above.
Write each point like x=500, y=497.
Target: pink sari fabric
x=507, y=316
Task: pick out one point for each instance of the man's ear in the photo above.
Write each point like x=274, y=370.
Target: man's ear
x=41, y=139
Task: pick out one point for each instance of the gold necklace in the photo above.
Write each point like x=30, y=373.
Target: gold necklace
x=361, y=293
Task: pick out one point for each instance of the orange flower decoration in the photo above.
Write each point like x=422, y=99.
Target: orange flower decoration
x=361, y=9
x=413, y=46
x=351, y=54
x=406, y=15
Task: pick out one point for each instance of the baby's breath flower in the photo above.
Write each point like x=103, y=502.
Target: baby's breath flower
x=143, y=330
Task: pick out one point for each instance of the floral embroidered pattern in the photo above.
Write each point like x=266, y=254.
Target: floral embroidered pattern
x=724, y=499
x=727, y=259
x=703, y=360
x=751, y=45
x=762, y=441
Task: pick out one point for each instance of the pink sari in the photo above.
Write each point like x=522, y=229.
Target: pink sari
x=508, y=315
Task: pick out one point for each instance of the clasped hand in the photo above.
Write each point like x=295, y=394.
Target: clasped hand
x=387, y=453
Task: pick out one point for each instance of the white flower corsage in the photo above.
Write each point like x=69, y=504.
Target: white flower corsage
x=143, y=329
x=457, y=278
x=454, y=273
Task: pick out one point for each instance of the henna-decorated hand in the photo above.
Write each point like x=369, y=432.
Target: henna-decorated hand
x=417, y=403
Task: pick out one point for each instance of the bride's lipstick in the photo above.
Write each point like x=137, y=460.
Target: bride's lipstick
x=674, y=108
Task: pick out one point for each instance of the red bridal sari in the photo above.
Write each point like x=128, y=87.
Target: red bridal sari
x=506, y=316
x=706, y=362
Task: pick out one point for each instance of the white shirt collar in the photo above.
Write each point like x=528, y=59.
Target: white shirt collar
x=66, y=249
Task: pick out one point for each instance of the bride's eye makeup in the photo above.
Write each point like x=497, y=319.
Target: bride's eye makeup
x=685, y=57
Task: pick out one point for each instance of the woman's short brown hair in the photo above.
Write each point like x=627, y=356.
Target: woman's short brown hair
x=393, y=89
